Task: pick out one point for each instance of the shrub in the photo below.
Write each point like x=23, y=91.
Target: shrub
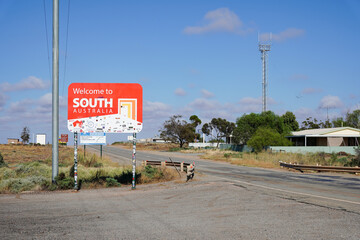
x=2, y=162
x=150, y=171
x=16, y=185
x=264, y=137
x=112, y=182
x=66, y=183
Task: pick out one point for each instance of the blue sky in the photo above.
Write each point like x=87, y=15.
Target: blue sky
x=191, y=57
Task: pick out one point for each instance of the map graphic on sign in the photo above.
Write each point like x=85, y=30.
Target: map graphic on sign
x=105, y=107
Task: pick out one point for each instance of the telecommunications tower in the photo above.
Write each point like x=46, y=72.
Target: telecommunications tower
x=264, y=47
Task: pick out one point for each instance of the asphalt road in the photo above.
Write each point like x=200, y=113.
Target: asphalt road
x=341, y=191
x=225, y=202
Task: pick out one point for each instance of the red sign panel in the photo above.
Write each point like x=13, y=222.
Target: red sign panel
x=64, y=138
x=105, y=107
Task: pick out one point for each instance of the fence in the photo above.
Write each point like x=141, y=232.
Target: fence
x=181, y=165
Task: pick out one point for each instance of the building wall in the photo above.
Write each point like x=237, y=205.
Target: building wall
x=13, y=141
x=349, y=150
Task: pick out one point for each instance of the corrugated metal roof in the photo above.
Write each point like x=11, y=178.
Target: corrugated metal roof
x=341, y=131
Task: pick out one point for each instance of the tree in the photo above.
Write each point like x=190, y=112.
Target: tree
x=177, y=130
x=289, y=120
x=310, y=124
x=265, y=137
x=326, y=124
x=353, y=119
x=338, y=122
x=25, y=135
x=195, y=121
x=218, y=128
x=315, y=124
x=247, y=125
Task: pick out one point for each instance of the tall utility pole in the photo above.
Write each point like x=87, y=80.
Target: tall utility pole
x=55, y=92
x=264, y=48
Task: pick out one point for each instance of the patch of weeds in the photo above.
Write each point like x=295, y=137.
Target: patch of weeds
x=112, y=182
x=98, y=165
x=151, y=174
x=227, y=155
x=71, y=171
x=126, y=177
x=333, y=159
x=2, y=162
x=176, y=149
x=16, y=185
x=150, y=171
x=355, y=162
x=343, y=161
x=64, y=182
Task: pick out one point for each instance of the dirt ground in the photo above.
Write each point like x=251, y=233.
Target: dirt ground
x=201, y=209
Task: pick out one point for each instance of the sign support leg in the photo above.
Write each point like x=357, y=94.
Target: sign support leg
x=134, y=161
x=75, y=160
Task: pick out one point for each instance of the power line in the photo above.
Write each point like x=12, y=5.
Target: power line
x=47, y=38
x=66, y=47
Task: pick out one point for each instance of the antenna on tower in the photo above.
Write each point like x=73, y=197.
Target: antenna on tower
x=264, y=47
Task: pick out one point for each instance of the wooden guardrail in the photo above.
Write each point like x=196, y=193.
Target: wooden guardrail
x=181, y=165
x=303, y=168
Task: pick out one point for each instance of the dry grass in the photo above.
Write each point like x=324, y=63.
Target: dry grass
x=30, y=168
x=151, y=174
x=14, y=154
x=150, y=146
x=262, y=159
x=271, y=160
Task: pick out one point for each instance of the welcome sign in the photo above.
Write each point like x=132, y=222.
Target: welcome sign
x=105, y=107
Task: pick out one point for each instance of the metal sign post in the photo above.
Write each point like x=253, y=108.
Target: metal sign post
x=134, y=161
x=75, y=160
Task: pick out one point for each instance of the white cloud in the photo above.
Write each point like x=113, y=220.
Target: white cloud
x=206, y=94
x=219, y=20
x=156, y=110
x=331, y=102
x=25, y=84
x=250, y=104
x=205, y=104
x=21, y=107
x=180, y=92
x=282, y=36
x=207, y=109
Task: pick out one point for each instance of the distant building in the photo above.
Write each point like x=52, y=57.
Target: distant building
x=13, y=141
x=331, y=137
x=155, y=139
x=41, y=139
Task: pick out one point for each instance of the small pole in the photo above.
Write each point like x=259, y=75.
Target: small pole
x=134, y=161
x=75, y=160
x=100, y=151
x=84, y=151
